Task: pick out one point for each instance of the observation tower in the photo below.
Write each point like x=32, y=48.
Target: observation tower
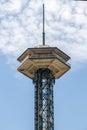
x=43, y=64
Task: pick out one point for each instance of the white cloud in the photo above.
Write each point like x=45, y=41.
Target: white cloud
x=52, y=6
x=66, y=27
x=11, y=7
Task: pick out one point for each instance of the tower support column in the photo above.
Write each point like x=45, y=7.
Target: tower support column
x=44, y=108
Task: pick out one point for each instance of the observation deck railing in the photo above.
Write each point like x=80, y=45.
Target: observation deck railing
x=47, y=56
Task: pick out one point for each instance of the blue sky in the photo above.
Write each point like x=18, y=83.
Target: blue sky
x=20, y=28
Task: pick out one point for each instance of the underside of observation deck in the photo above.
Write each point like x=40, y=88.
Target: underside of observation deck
x=43, y=57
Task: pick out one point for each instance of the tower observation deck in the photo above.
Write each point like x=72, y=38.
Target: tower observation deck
x=43, y=64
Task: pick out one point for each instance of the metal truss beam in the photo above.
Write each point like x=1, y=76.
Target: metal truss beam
x=44, y=108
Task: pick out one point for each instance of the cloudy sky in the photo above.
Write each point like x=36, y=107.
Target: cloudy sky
x=21, y=28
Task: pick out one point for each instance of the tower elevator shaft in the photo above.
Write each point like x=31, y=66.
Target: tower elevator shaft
x=44, y=107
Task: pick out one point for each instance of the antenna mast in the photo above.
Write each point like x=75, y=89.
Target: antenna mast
x=43, y=27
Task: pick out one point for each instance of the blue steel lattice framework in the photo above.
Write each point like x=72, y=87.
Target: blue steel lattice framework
x=44, y=108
